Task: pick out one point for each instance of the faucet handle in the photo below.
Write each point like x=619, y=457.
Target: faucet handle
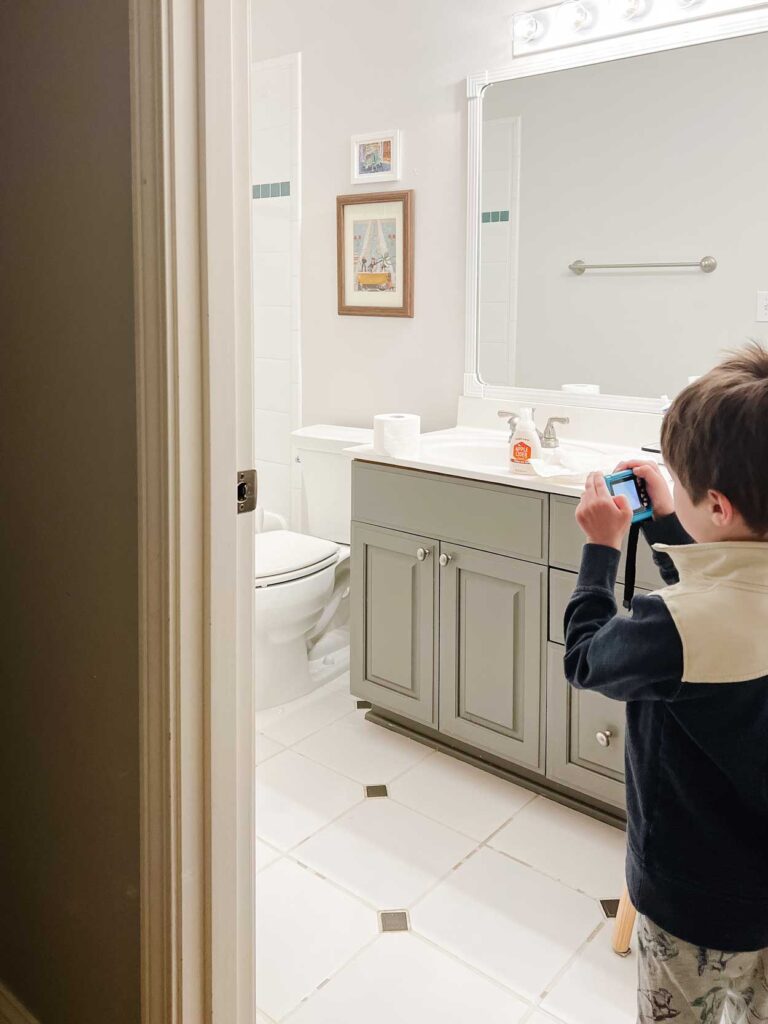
x=511, y=418
x=549, y=435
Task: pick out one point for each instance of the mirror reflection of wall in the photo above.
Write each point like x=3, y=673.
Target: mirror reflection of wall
x=658, y=158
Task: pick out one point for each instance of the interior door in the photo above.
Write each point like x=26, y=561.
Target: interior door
x=491, y=609
x=393, y=623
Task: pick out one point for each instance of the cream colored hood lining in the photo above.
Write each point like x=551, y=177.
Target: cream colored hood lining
x=720, y=609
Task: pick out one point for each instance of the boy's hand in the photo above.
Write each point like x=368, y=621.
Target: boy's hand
x=655, y=484
x=603, y=518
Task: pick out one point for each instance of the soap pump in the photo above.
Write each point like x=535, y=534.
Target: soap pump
x=524, y=444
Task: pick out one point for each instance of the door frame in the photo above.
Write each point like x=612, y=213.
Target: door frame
x=189, y=97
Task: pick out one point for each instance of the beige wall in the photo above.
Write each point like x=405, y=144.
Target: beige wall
x=69, y=939
x=367, y=67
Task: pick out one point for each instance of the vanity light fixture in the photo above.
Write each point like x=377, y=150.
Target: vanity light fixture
x=577, y=15
x=566, y=23
x=528, y=27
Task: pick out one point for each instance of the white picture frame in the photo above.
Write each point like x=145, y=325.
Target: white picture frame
x=375, y=157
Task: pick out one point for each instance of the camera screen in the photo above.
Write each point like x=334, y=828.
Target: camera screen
x=629, y=489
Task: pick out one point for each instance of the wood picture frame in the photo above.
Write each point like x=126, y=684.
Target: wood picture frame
x=374, y=254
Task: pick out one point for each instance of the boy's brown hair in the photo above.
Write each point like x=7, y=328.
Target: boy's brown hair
x=715, y=435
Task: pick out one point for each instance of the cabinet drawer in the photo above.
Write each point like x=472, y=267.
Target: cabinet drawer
x=566, y=541
x=577, y=722
x=495, y=518
x=561, y=585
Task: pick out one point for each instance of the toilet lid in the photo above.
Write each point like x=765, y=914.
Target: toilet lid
x=282, y=555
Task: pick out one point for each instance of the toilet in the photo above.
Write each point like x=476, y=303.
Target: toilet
x=301, y=605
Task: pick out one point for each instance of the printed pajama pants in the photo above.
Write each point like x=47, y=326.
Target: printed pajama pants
x=693, y=985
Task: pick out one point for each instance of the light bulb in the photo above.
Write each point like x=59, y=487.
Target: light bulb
x=577, y=15
x=528, y=27
x=633, y=8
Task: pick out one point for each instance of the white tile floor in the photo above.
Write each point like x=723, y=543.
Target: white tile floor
x=501, y=886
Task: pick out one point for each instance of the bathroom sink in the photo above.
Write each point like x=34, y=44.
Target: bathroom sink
x=471, y=452
x=572, y=460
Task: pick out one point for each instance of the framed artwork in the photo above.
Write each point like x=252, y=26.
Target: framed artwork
x=376, y=157
x=374, y=255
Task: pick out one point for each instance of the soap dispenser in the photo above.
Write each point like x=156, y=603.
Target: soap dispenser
x=525, y=444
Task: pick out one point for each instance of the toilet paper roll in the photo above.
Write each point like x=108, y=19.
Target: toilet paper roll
x=397, y=434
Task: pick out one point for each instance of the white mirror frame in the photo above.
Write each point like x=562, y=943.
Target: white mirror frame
x=696, y=29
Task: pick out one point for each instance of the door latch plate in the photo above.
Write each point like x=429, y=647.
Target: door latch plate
x=246, y=490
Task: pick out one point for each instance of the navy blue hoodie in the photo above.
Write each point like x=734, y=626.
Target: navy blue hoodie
x=691, y=663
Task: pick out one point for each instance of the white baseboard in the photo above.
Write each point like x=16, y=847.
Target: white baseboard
x=12, y=1011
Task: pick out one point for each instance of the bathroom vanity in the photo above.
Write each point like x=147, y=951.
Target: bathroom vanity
x=458, y=592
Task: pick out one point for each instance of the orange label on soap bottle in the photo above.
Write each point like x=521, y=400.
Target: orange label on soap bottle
x=521, y=452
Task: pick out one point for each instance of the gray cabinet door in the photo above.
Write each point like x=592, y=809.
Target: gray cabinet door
x=393, y=620
x=585, y=736
x=491, y=619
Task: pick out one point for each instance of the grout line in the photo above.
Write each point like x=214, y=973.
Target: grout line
x=331, y=976
x=475, y=970
x=429, y=817
x=544, y=874
x=552, y=983
x=368, y=904
x=314, y=732
x=314, y=760
x=537, y=1009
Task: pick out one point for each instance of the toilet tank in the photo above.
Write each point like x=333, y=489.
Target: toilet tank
x=326, y=474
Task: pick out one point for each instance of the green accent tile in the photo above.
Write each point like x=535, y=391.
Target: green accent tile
x=494, y=216
x=265, y=191
x=275, y=186
x=503, y=214
x=256, y=191
x=285, y=188
x=486, y=217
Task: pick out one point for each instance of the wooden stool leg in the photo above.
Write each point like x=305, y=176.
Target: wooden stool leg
x=625, y=922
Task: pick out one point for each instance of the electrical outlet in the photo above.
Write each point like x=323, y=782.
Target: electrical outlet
x=762, y=308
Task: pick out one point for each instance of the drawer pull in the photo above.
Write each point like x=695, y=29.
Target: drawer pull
x=604, y=737
x=445, y=559
x=423, y=553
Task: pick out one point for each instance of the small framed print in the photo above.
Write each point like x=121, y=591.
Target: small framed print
x=376, y=157
x=374, y=239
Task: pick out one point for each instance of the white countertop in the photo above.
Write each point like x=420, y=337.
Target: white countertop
x=478, y=454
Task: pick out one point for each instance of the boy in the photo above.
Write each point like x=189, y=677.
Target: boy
x=692, y=664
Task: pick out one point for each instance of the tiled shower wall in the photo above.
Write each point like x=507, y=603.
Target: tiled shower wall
x=500, y=197
x=275, y=213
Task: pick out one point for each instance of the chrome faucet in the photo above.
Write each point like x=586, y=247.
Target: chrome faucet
x=548, y=436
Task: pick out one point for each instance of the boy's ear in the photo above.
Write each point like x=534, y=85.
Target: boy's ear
x=720, y=509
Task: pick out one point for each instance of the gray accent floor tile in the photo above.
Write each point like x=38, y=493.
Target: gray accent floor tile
x=393, y=920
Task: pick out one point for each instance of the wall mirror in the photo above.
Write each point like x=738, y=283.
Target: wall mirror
x=656, y=158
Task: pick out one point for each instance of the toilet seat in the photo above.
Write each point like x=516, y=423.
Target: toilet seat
x=281, y=556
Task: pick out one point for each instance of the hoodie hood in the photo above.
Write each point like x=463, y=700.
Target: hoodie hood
x=720, y=608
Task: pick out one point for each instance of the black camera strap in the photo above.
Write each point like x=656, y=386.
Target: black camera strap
x=630, y=565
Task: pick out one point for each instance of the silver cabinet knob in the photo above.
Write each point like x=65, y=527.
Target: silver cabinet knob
x=604, y=737
x=422, y=553
x=445, y=559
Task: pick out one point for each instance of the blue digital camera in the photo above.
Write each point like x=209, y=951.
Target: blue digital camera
x=633, y=489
